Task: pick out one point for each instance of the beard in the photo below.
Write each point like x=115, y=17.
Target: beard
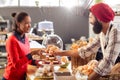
x=97, y=27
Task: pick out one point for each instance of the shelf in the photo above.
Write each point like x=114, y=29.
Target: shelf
x=3, y=55
x=2, y=44
x=3, y=33
x=3, y=36
x=36, y=38
x=117, y=14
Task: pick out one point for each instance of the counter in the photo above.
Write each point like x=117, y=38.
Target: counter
x=32, y=70
x=1, y=73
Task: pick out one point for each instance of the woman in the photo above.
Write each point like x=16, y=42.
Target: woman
x=18, y=49
x=107, y=38
x=13, y=19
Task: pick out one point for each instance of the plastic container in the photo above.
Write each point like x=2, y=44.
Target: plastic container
x=45, y=26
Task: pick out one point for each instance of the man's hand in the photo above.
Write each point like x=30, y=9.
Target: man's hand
x=52, y=49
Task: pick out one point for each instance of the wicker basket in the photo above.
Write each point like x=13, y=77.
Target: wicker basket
x=114, y=74
x=78, y=61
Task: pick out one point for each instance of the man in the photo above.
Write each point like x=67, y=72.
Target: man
x=107, y=39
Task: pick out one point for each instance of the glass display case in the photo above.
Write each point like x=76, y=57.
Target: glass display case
x=53, y=39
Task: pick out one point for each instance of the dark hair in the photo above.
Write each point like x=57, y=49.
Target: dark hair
x=19, y=18
x=13, y=14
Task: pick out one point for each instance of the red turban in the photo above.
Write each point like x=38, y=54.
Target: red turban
x=102, y=12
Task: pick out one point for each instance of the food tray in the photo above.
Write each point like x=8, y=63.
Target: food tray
x=110, y=77
x=45, y=64
x=44, y=78
x=63, y=76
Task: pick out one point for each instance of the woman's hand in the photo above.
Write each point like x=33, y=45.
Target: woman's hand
x=38, y=63
x=37, y=52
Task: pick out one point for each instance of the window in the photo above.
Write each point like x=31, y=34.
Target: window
x=68, y=3
x=49, y=2
x=112, y=2
x=40, y=3
x=4, y=3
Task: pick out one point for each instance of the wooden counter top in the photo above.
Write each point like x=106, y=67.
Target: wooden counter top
x=31, y=72
x=3, y=33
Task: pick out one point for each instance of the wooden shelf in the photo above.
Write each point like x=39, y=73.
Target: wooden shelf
x=3, y=33
x=2, y=44
x=3, y=55
x=37, y=38
x=117, y=13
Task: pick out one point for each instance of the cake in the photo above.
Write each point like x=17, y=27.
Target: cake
x=51, y=59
